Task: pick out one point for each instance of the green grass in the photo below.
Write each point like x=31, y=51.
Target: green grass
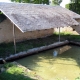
x=78, y=78
x=63, y=33
x=13, y=72
x=8, y=48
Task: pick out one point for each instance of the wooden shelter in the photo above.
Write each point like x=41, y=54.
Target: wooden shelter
x=31, y=17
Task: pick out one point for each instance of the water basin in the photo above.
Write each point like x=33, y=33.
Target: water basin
x=64, y=66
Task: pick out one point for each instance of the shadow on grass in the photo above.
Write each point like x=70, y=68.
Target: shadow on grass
x=8, y=76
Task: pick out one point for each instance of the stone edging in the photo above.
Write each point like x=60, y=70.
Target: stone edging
x=36, y=50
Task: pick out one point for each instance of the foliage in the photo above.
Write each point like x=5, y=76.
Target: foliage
x=78, y=78
x=2, y=17
x=56, y=2
x=62, y=33
x=74, y=7
x=13, y=72
x=0, y=12
x=32, y=1
x=16, y=1
x=75, y=1
x=7, y=65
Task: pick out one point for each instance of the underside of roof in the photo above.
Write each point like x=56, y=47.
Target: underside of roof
x=30, y=17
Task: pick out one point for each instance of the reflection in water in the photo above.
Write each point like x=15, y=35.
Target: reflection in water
x=63, y=49
x=64, y=65
x=55, y=53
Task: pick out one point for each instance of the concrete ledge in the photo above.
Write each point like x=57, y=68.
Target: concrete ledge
x=74, y=43
x=35, y=50
x=2, y=61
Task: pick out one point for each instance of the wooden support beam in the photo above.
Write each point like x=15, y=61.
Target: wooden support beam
x=59, y=34
x=14, y=38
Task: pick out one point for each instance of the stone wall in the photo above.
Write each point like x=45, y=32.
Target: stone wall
x=6, y=33
x=70, y=29
x=77, y=28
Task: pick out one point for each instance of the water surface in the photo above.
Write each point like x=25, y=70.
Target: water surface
x=65, y=66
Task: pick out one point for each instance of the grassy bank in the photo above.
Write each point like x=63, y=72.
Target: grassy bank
x=8, y=48
x=16, y=72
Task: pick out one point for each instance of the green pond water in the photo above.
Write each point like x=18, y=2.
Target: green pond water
x=65, y=66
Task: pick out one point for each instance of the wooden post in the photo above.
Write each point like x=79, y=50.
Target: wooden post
x=14, y=38
x=59, y=34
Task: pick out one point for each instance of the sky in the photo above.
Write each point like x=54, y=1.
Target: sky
x=4, y=0
x=62, y=4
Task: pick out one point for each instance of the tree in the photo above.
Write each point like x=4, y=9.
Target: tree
x=56, y=2
x=16, y=1
x=75, y=1
x=32, y=1
x=74, y=6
